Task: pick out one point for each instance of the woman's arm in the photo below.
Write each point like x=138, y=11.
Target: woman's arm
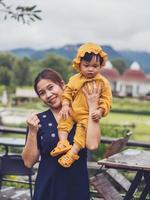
x=93, y=130
x=30, y=154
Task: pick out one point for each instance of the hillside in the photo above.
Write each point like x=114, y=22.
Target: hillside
x=69, y=52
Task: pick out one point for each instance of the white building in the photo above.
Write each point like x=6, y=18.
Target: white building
x=111, y=74
x=133, y=82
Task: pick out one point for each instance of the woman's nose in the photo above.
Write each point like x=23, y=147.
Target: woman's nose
x=48, y=94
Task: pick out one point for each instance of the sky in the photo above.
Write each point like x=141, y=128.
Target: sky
x=123, y=24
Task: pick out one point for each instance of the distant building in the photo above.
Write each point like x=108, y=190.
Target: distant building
x=4, y=98
x=133, y=82
x=24, y=94
x=111, y=74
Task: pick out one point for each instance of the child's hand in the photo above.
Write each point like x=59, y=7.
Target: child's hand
x=96, y=115
x=65, y=111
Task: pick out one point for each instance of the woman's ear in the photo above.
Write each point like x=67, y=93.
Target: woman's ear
x=63, y=84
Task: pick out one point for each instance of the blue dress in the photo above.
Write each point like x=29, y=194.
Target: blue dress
x=54, y=182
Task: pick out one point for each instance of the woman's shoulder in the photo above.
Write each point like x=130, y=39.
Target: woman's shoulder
x=44, y=114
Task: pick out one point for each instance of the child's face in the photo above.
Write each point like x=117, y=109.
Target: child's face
x=90, y=69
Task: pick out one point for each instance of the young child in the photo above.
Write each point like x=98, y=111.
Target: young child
x=89, y=60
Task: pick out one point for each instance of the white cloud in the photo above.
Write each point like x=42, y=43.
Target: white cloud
x=122, y=24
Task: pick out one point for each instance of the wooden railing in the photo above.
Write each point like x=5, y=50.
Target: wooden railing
x=105, y=140
x=91, y=165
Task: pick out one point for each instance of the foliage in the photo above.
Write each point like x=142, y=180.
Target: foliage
x=16, y=71
x=7, y=60
x=130, y=104
x=26, y=14
x=119, y=64
x=58, y=63
x=5, y=76
x=21, y=70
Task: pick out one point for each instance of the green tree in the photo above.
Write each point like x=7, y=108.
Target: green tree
x=58, y=63
x=5, y=76
x=119, y=64
x=7, y=60
x=21, y=75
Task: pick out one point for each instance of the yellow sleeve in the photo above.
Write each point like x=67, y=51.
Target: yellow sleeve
x=68, y=93
x=105, y=102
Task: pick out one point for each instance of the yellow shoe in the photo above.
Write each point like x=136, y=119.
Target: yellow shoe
x=62, y=147
x=68, y=159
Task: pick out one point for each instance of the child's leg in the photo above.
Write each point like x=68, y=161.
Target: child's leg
x=64, y=127
x=80, y=135
x=79, y=142
x=75, y=148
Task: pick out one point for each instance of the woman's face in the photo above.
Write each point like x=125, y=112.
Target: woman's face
x=50, y=93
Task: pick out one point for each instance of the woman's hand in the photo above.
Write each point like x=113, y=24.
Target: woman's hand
x=33, y=123
x=92, y=93
x=31, y=153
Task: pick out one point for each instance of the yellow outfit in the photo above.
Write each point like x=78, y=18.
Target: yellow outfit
x=74, y=95
x=76, y=99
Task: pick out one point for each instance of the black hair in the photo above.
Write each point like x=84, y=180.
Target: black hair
x=48, y=74
x=88, y=57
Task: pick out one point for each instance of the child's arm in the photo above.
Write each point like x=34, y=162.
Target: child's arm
x=67, y=99
x=65, y=111
x=97, y=114
x=105, y=101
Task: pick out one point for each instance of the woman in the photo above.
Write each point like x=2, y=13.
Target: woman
x=54, y=182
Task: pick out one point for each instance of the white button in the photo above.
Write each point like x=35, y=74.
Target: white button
x=44, y=116
x=50, y=124
x=41, y=137
x=40, y=125
x=53, y=135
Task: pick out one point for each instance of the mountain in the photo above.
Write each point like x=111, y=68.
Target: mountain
x=143, y=58
x=69, y=51
x=23, y=52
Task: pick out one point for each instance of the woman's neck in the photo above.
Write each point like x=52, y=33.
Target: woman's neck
x=56, y=114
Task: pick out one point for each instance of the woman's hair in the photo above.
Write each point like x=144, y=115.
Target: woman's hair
x=88, y=57
x=48, y=74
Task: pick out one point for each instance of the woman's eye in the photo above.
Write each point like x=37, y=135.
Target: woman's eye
x=41, y=93
x=50, y=87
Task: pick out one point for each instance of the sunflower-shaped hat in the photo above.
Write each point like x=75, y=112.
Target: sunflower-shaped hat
x=88, y=48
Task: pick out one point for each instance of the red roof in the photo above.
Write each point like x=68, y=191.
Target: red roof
x=134, y=75
x=111, y=74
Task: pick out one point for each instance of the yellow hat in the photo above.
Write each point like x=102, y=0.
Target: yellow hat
x=89, y=48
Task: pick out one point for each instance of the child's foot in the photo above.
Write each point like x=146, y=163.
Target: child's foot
x=62, y=147
x=68, y=159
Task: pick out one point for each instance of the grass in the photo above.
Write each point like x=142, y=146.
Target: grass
x=131, y=104
x=141, y=122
